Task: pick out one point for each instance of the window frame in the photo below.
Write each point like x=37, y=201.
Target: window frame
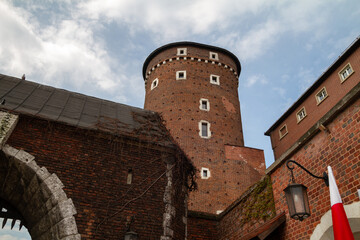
x=286, y=131
x=217, y=82
x=213, y=56
x=156, y=80
x=318, y=100
x=178, y=75
x=208, y=174
x=179, y=52
x=201, y=129
x=343, y=70
x=207, y=104
x=298, y=117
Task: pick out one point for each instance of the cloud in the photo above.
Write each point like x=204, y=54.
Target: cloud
x=63, y=54
x=255, y=79
x=280, y=91
x=170, y=20
x=305, y=78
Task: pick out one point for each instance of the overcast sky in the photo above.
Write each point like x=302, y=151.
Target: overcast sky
x=97, y=47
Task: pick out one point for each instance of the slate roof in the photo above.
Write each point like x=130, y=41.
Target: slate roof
x=34, y=99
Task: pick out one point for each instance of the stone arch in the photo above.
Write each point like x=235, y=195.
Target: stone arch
x=324, y=230
x=38, y=195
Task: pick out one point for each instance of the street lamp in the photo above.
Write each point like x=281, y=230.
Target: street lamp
x=296, y=194
x=130, y=235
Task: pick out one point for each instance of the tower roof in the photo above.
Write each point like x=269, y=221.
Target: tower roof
x=193, y=44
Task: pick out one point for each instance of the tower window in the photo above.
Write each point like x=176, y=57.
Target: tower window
x=283, y=131
x=180, y=75
x=346, y=72
x=214, y=79
x=214, y=56
x=204, y=104
x=154, y=83
x=129, y=176
x=204, y=129
x=205, y=173
x=301, y=114
x=181, y=51
x=321, y=95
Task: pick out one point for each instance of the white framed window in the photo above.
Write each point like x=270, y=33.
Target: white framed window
x=346, y=72
x=204, y=104
x=180, y=75
x=283, y=131
x=301, y=114
x=204, y=129
x=129, y=176
x=321, y=95
x=215, y=79
x=181, y=51
x=205, y=173
x=213, y=56
x=154, y=83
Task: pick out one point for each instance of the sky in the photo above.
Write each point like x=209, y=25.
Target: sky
x=98, y=47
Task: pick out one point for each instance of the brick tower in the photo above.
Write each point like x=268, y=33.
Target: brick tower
x=194, y=87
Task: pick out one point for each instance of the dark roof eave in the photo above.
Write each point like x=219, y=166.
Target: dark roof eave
x=200, y=45
x=353, y=46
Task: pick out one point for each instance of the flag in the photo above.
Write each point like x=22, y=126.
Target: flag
x=341, y=226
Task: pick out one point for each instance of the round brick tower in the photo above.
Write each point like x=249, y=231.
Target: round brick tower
x=195, y=88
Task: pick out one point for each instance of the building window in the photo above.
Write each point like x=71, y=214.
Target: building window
x=214, y=56
x=346, y=72
x=283, y=131
x=214, y=79
x=205, y=173
x=180, y=75
x=204, y=129
x=129, y=176
x=321, y=95
x=301, y=114
x=204, y=104
x=154, y=83
x=181, y=51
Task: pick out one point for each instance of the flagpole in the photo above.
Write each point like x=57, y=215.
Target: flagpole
x=341, y=226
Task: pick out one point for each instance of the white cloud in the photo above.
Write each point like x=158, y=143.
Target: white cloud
x=170, y=20
x=255, y=79
x=305, y=78
x=280, y=91
x=64, y=54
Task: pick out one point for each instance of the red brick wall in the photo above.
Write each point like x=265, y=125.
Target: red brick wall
x=341, y=150
x=94, y=167
x=248, y=213
x=336, y=91
x=252, y=156
x=202, y=228
x=178, y=102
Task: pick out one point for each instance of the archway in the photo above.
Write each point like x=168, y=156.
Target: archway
x=324, y=230
x=37, y=195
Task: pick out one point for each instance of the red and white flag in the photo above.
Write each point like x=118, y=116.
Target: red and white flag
x=341, y=226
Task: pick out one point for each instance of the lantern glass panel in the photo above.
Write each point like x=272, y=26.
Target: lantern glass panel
x=297, y=200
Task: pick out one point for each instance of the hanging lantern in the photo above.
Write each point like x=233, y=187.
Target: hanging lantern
x=131, y=236
x=297, y=201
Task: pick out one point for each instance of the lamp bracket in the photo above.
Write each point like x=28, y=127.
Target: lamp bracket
x=289, y=164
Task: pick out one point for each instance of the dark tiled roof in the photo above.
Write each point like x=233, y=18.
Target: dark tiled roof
x=30, y=98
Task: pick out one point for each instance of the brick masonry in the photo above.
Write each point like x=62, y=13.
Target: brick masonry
x=339, y=148
x=178, y=101
x=93, y=168
x=336, y=91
